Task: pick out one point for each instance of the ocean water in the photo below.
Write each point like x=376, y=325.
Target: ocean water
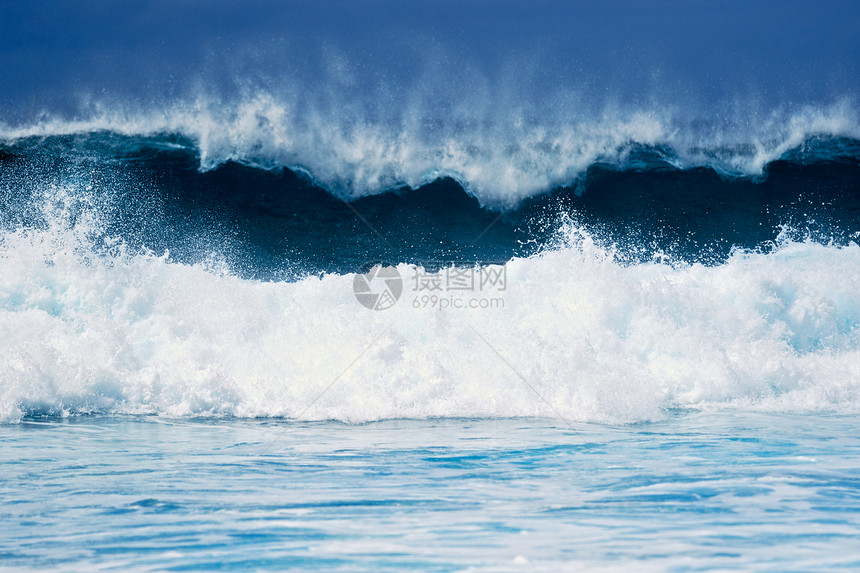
x=383, y=287
x=728, y=491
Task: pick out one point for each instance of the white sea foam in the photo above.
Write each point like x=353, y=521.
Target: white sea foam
x=500, y=154
x=580, y=336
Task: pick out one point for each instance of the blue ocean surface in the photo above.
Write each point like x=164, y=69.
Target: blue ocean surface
x=429, y=285
x=730, y=491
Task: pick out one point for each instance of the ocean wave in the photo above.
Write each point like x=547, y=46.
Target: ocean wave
x=120, y=293
x=501, y=159
x=149, y=193
x=579, y=334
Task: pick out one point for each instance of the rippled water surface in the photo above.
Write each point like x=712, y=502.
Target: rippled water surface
x=724, y=490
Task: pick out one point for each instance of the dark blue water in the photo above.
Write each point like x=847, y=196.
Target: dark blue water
x=282, y=223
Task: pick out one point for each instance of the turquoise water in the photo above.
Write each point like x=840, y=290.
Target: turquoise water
x=723, y=490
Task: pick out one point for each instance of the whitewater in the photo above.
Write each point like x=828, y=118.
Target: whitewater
x=499, y=155
x=597, y=339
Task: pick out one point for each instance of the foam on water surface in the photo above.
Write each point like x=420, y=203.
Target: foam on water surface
x=575, y=332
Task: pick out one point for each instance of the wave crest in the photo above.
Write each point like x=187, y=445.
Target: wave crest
x=501, y=158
